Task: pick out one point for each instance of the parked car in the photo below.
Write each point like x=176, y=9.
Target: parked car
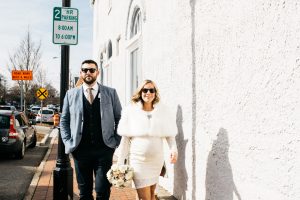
x=45, y=115
x=7, y=107
x=16, y=133
x=35, y=109
x=52, y=107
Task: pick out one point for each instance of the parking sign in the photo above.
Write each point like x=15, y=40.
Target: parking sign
x=65, y=26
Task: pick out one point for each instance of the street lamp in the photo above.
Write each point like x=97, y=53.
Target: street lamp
x=71, y=82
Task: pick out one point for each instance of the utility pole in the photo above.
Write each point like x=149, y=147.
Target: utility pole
x=63, y=172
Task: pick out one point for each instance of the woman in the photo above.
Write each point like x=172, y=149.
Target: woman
x=144, y=124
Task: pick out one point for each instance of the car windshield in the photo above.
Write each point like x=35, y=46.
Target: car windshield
x=35, y=108
x=4, y=122
x=47, y=112
x=5, y=108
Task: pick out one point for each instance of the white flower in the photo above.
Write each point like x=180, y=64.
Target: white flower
x=114, y=182
x=116, y=173
x=120, y=175
x=109, y=176
x=120, y=182
x=115, y=167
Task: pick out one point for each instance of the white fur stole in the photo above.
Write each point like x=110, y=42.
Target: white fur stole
x=161, y=122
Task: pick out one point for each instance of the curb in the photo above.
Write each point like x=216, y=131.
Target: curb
x=36, y=177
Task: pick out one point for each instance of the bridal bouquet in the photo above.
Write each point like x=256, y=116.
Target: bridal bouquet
x=120, y=175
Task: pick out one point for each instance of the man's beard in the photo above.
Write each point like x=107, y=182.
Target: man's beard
x=89, y=80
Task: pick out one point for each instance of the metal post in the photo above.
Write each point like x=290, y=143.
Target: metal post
x=22, y=95
x=1, y=97
x=41, y=121
x=63, y=172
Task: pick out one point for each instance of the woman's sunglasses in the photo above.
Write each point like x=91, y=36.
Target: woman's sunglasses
x=85, y=70
x=145, y=90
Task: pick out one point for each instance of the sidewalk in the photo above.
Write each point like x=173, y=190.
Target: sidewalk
x=41, y=187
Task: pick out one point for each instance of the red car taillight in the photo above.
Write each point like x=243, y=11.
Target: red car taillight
x=12, y=131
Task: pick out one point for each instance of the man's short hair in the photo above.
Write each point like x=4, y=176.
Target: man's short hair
x=89, y=62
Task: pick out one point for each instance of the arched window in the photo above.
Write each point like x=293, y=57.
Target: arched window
x=134, y=46
x=136, y=23
x=109, y=50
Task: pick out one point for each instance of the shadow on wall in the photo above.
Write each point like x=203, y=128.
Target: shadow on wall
x=180, y=173
x=219, y=178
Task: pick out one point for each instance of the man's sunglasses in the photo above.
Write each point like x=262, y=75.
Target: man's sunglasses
x=85, y=70
x=145, y=90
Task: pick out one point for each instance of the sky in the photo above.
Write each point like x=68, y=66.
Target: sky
x=17, y=16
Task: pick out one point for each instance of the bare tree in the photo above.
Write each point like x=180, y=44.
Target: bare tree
x=26, y=57
x=2, y=89
x=40, y=77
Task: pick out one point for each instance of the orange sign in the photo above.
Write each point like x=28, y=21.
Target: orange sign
x=21, y=75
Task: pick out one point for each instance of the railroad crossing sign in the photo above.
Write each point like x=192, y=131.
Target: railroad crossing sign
x=65, y=26
x=42, y=93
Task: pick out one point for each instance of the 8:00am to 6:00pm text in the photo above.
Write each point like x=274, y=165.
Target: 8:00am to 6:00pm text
x=65, y=36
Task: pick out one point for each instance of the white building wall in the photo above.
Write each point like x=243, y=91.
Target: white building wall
x=248, y=90
x=231, y=70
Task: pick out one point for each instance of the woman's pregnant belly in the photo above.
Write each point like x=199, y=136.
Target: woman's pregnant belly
x=146, y=149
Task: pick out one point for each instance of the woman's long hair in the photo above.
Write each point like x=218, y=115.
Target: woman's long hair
x=137, y=96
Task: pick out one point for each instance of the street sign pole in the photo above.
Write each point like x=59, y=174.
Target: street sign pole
x=63, y=172
x=22, y=95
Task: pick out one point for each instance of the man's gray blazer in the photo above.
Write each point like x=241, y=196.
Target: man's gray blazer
x=71, y=122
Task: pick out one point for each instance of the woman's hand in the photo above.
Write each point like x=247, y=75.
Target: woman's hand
x=173, y=157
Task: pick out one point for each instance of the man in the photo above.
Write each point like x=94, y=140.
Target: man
x=89, y=122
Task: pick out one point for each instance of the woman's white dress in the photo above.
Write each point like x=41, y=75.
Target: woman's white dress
x=146, y=157
x=145, y=152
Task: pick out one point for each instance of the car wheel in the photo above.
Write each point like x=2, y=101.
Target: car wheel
x=20, y=154
x=34, y=139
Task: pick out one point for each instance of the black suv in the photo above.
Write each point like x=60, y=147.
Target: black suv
x=16, y=133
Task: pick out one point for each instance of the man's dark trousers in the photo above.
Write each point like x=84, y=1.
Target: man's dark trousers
x=85, y=165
